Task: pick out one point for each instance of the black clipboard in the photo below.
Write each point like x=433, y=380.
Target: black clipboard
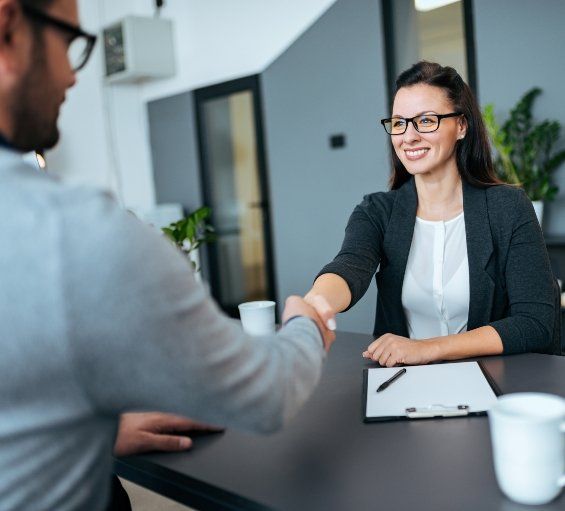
x=460, y=410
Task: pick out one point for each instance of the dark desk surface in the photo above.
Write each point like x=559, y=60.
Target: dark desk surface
x=328, y=459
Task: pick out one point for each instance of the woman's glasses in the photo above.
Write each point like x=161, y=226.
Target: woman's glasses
x=425, y=123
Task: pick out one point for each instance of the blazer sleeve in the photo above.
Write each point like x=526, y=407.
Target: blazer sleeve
x=529, y=282
x=361, y=251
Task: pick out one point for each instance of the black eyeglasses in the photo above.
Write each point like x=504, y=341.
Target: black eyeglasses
x=82, y=43
x=425, y=123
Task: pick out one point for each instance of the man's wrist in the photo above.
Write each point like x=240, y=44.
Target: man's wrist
x=298, y=316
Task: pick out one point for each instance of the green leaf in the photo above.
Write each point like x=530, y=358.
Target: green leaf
x=193, y=229
x=524, y=147
x=555, y=161
x=169, y=233
x=503, y=164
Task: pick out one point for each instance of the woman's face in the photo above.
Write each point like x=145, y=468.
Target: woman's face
x=425, y=153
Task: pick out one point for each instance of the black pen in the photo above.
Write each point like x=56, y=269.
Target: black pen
x=389, y=381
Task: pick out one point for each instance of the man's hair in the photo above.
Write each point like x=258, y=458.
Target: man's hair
x=40, y=5
x=37, y=4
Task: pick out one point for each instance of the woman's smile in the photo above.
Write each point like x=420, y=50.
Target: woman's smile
x=417, y=153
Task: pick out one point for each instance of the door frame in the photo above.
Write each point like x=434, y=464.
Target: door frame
x=387, y=20
x=253, y=84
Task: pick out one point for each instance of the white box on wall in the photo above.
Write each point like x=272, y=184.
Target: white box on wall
x=137, y=49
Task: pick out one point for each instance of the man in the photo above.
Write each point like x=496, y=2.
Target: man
x=99, y=315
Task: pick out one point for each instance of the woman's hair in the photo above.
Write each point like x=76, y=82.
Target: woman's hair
x=473, y=152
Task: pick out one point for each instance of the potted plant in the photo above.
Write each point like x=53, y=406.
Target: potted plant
x=525, y=150
x=191, y=232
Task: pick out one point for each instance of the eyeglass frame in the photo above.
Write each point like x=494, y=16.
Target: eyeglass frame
x=411, y=120
x=75, y=31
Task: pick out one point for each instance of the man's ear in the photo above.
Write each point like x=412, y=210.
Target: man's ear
x=13, y=34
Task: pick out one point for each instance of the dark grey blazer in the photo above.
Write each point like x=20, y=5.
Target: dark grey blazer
x=510, y=278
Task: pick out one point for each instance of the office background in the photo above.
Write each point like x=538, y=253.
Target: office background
x=323, y=72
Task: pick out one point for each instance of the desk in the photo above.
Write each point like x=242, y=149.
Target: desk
x=328, y=459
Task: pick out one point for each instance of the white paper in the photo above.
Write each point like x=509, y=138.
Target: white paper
x=448, y=385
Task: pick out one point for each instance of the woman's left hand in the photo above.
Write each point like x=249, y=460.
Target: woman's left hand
x=390, y=350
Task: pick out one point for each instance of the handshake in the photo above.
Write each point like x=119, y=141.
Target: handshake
x=317, y=309
x=329, y=295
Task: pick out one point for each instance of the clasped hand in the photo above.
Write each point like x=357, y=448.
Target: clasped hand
x=297, y=306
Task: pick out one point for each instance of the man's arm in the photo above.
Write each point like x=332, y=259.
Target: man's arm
x=145, y=335
x=155, y=431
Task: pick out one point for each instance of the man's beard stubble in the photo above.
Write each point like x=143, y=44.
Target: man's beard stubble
x=35, y=127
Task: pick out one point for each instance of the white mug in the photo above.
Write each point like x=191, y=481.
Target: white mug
x=258, y=318
x=528, y=444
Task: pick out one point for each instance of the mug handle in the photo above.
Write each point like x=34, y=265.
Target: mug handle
x=561, y=480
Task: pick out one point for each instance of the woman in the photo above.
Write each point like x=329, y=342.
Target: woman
x=460, y=261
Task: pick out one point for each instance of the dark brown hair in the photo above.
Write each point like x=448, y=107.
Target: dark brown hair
x=37, y=4
x=473, y=152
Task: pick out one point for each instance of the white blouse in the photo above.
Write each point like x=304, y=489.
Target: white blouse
x=435, y=293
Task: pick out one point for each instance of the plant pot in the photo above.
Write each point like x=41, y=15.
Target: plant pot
x=538, y=208
x=194, y=256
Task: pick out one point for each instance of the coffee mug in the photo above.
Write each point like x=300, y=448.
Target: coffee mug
x=528, y=444
x=258, y=318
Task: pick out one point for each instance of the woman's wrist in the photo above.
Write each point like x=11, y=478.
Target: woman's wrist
x=433, y=349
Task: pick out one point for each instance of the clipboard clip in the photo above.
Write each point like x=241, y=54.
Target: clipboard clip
x=426, y=412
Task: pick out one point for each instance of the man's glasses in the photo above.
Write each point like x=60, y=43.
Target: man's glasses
x=425, y=123
x=82, y=43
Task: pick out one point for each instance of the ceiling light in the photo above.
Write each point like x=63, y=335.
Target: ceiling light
x=428, y=5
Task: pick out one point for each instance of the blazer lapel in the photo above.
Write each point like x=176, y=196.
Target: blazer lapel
x=479, y=251
x=397, y=243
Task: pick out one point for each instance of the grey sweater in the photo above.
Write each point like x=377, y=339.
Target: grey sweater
x=100, y=315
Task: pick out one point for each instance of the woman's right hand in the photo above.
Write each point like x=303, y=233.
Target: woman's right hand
x=323, y=308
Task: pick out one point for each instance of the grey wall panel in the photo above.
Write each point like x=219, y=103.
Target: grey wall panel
x=519, y=45
x=174, y=155
x=173, y=150
x=331, y=80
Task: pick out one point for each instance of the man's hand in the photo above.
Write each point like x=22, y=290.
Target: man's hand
x=143, y=432
x=390, y=350
x=323, y=308
x=296, y=306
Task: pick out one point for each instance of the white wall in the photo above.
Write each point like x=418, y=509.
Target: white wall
x=83, y=151
x=104, y=129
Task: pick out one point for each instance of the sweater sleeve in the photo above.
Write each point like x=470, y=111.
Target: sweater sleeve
x=360, y=253
x=146, y=336
x=529, y=282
